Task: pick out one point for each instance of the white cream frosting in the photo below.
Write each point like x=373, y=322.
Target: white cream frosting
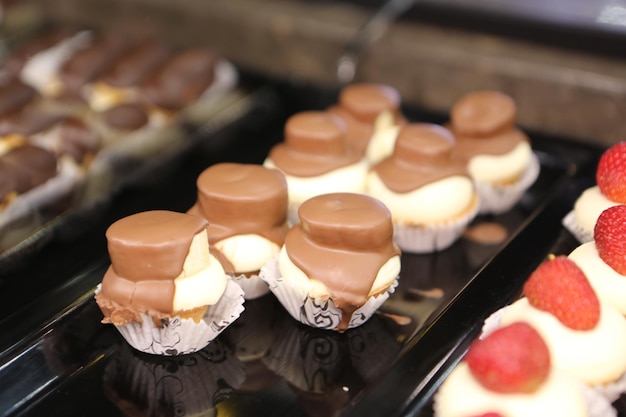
x=499, y=168
x=594, y=356
x=461, y=395
x=438, y=201
x=383, y=139
x=588, y=207
x=247, y=252
x=202, y=281
x=608, y=284
x=349, y=179
x=290, y=272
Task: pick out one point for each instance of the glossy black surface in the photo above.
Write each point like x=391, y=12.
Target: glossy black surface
x=58, y=359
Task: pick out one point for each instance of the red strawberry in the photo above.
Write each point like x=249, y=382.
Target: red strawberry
x=611, y=173
x=490, y=414
x=561, y=288
x=610, y=237
x=513, y=359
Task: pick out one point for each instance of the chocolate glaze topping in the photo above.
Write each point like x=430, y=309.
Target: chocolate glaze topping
x=89, y=63
x=242, y=199
x=126, y=116
x=366, y=101
x=136, y=64
x=28, y=120
x=147, y=252
x=315, y=143
x=182, y=79
x=484, y=123
x=422, y=155
x=342, y=240
x=28, y=166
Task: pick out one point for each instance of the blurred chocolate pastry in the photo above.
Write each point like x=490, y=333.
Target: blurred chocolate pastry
x=182, y=79
x=120, y=82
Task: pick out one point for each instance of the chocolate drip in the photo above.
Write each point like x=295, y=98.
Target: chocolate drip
x=126, y=116
x=182, y=80
x=89, y=63
x=136, y=64
x=422, y=155
x=148, y=251
x=241, y=199
x=483, y=123
x=342, y=240
x=315, y=144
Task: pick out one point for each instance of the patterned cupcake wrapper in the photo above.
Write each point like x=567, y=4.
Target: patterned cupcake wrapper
x=580, y=233
x=181, y=336
x=318, y=312
x=498, y=199
x=252, y=286
x=426, y=239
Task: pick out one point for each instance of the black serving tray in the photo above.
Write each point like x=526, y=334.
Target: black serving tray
x=57, y=359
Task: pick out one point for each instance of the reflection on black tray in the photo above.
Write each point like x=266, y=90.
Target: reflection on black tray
x=172, y=386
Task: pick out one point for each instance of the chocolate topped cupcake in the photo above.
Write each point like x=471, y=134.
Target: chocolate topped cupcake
x=316, y=159
x=338, y=264
x=246, y=207
x=372, y=114
x=498, y=155
x=163, y=285
x=430, y=194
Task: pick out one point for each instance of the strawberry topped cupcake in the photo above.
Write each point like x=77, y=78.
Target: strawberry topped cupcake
x=510, y=373
x=603, y=260
x=610, y=190
x=586, y=337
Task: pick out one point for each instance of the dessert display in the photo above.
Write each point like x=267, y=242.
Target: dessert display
x=372, y=116
x=602, y=259
x=103, y=103
x=609, y=191
x=338, y=263
x=316, y=159
x=586, y=337
x=511, y=373
x=246, y=207
x=498, y=155
x=164, y=291
x=430, y=195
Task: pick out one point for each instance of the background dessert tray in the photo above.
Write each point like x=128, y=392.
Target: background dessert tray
x=56, y=358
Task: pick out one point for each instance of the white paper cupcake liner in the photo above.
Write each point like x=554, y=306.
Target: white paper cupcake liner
x=579, y=232
x=181, y=336
x=498, y=199
x=432, y=238
x=252, y=286
x=316, y=312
